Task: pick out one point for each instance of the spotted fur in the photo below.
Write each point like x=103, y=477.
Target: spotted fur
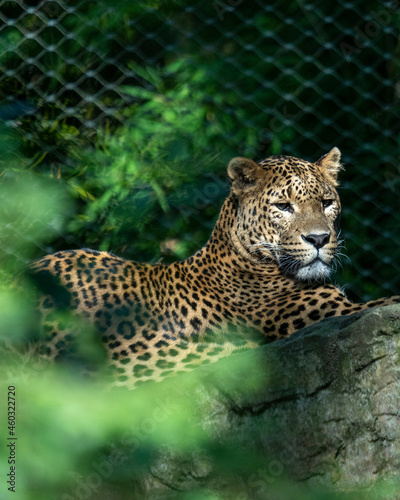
x=263, y=270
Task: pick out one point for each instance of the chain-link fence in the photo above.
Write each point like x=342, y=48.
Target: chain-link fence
x=214, y=79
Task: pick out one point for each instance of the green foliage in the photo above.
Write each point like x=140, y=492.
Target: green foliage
x=32, y=210
x=146, y=181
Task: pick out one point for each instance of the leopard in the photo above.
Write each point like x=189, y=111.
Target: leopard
x=262, y=275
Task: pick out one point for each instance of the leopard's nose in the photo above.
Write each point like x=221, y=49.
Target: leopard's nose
x=317, y=240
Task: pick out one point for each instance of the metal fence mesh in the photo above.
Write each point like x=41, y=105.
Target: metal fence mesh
x=292, y=77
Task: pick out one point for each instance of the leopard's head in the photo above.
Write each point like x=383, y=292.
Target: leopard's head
x=288, y=212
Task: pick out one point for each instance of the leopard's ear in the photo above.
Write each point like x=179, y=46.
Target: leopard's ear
x=330, y=164
x=244, y=174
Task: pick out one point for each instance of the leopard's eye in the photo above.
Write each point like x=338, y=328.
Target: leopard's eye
x=285, y=207
x=327, y=203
